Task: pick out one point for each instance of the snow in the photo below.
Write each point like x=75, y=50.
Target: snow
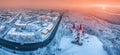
x=4, y=52
x=91, y=46
x=2, y=28
x=106, y=31
x=49, y=27
x=13, y=32
x=44, y=31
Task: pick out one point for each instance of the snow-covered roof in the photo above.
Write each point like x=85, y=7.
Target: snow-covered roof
x=14, y=33
x=1, y=28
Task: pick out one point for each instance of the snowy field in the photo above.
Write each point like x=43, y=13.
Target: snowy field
x=100, y=36
x=91, y=46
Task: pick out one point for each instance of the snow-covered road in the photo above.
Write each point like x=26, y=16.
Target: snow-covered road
x=91, y=46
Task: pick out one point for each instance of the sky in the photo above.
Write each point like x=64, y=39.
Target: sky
x=82, y=6
x=66, y=4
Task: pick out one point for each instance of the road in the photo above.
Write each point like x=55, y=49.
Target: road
x=30, y=46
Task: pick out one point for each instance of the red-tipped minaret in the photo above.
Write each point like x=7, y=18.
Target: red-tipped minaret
x=73, y=26
x=81, y=27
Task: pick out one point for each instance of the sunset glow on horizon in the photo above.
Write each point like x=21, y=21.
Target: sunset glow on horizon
x=55, y=3
x=62, y=4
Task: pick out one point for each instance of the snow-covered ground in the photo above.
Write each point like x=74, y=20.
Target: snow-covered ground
x=91, y=46
x=4, y=52
x=107, y=33
x=102, y=37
